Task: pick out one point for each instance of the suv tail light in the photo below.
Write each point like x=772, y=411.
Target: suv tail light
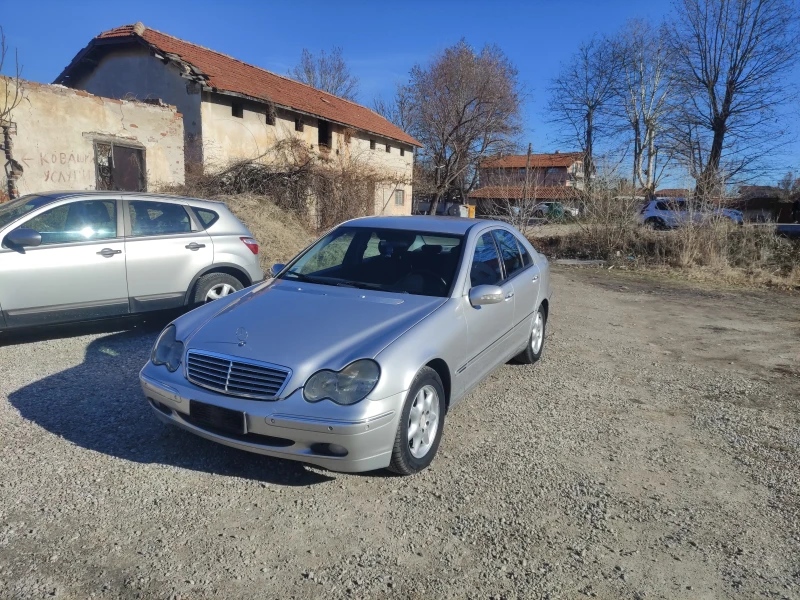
x=250, y=243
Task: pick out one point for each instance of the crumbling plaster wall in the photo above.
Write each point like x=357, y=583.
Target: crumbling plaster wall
x=56, y=128
x=132, y=72
x=228, y=138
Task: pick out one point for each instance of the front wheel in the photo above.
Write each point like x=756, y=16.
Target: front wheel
x=533, y=351
x=421, y=424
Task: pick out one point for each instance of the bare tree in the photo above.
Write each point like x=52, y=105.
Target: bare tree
x=327, y=72
x=581, y=97
x=731, y=57
x=789, y=183
x=396, y=109
x=464, y=105
x=11, y=92
x=644, y=106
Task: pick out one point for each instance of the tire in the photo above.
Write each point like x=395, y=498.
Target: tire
x=213, y=286
x=405, y=461
x=535, y=347
x=655, y=223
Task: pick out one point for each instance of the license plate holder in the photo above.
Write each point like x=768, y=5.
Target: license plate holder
x=218, y=417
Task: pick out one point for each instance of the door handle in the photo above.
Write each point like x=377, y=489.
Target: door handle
x=195, y=246
x=509, y=296
x=535, y=278
x=108, y=252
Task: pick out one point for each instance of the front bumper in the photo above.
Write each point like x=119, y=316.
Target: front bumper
x=290, y=428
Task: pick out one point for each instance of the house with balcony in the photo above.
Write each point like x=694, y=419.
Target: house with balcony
x=235, y=111
x=542, y=177
x=544, y=170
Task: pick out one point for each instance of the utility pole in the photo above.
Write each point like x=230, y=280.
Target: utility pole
x=527, y=169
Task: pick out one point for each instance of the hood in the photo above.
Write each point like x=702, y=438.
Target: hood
x=307, y=327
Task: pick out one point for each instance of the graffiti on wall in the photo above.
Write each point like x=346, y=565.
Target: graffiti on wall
x=66, y=167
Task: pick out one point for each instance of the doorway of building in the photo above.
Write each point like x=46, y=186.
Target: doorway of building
x=119, y=168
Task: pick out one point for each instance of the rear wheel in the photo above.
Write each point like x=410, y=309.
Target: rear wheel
x=215, y=286
x=421, y=424
x=533, y=351
x=655, y=223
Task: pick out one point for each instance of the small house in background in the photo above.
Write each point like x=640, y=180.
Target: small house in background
x=234, y=111
x=763, y=203
x=508, y=180
x=64, y=139
x=544, y=170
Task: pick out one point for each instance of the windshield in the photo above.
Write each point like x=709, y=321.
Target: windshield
x=11, y=211
x=391, y=260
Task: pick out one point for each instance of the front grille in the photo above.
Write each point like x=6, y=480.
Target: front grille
x=234, y=376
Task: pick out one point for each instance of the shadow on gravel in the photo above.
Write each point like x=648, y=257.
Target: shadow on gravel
x=152, y=324
x=99, y=405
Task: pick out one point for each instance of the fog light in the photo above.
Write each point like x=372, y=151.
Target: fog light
x=337, y=450
x=329, y=450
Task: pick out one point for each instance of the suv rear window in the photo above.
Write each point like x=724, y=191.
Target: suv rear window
x=207, y=217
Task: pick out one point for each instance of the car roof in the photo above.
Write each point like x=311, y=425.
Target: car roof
x=424, y=223
x=61, y=195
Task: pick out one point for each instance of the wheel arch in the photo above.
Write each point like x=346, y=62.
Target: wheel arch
x=227, y=268
x=546, y=306
x=443, y=370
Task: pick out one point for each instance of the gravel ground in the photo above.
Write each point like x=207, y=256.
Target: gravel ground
x=653, y=453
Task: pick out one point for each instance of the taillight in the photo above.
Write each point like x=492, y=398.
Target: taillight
x=250, y=243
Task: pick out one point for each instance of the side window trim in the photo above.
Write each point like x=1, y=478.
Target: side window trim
x=500, y=260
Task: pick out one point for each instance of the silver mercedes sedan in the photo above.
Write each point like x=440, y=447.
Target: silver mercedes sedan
x=351, y=356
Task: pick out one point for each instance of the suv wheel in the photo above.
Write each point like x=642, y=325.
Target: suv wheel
x=655, y=223
x=215, y=286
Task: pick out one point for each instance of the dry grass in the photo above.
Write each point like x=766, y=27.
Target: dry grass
x=280, y=233
x=716, y=252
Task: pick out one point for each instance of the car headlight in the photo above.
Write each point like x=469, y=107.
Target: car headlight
x=168, y=351
x=348, y=386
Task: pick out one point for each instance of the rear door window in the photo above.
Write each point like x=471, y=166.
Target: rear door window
x=158, y=218
x=509, y=251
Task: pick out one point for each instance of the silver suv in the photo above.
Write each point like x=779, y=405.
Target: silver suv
x=76, y=256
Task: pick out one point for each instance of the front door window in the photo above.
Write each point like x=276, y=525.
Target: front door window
x=81, y=221
x=485, y=269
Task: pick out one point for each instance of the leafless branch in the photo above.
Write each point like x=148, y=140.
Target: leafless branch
x=327, y=72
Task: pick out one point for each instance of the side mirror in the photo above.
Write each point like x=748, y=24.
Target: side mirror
x=22, y=237
x=276, y=268
x=485, y=294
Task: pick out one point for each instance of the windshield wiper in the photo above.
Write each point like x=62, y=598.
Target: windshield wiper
x=306, y=278
x=360, y=285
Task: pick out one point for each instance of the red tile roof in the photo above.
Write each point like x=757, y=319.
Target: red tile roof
x=518, y=161
x=228, y=74
x=514, y=192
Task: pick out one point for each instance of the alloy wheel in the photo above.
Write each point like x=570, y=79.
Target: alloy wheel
x=537, y=336
x=219, y=291
x=423, y=421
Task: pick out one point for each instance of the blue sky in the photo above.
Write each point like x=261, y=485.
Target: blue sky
x=381, y=40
